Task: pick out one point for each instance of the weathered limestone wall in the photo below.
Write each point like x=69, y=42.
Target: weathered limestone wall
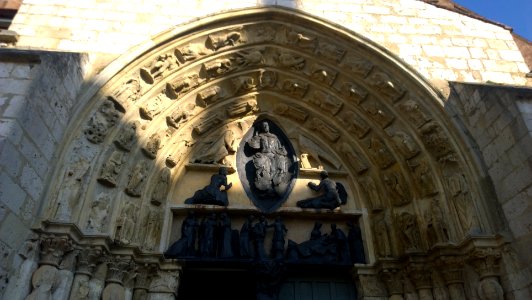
x=439, y=43
x=499, y=119
x=37, y=100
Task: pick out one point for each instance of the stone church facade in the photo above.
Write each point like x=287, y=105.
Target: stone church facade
x=146, y=146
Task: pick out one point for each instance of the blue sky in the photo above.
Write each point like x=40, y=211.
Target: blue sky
x=514, y=13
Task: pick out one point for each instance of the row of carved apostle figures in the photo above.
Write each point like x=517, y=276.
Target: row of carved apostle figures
x=214, y=238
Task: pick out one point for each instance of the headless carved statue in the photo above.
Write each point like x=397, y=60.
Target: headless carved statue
x=212, y=194
x=334, y=194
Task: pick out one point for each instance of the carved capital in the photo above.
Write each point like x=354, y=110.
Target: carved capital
x=144, y=277
x=87, y=260
x=393, y=280
x=166, y=282
x=53, y=248
x=421, y=275
x=452, y=269
x=486, y=262
x=117, y=267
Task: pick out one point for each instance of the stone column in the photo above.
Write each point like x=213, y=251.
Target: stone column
x=46, y=279
x=97, y=282
x=142, y=284
x=19, y=285
x=114, y=286
x=164, y=285
x=66, y=276
x=393, y=280
x=486, y=263
x=84, y=269
x=421, y=276
x=452, y=269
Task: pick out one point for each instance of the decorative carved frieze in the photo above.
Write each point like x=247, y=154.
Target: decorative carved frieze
x=301, y=40
x=110, y=170
x=244, y=84
x=403, y=141
x=250, y=58
x=102, y=121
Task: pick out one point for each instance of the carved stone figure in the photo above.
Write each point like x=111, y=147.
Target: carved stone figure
x=243, y=84
x=414, y=112
x=186, y=245
x=111, y=169
x=436, y=226
x=218, y=41
x=160, y=191
x=372, y=194
x=206, y=242
x=353, y=158
x=378, y=113
x=342, y=246
x=128, y=136
x=278, y=240
x=208, y=122
x=158, y=68
x=294, y=113
x=152, y=146
x=218, y=67
x=301, y=40
x=190, y=52
x=19, y=284
x=270, y=161
x=153, y=226
x=212, y=194
x=354, y=123
x=407, y=146
x=259, y=234
x=423, y=176
x=245, y=59
x=380, y=152
x=435, y=139
x=98, y=213
x=330, y=51
x=308, y=147
x=225, y=238
x=357, y=65
x=333, y=194
x=324, y=129
x=356, y=245
x=290, y=61
x=137, y=179
x=210, y=95
x=397, y=189
x=323, y=74
x=267, y=79
x=387, y=87
x=45, y=281
x=382, y=236
x=243, y=108
x=129, y=92
x=294, y=87
x=126, y=224
x=102, y=121
x=153, y=107
x=182, y=85
x=458, y=187
x=354, y=91
x=326, y=102
x=216, y=149
x=410, y=231
x=181, y=115
x=68, y=198
x=245, y=237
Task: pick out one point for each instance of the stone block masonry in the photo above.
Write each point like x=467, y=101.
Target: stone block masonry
x=413, y=30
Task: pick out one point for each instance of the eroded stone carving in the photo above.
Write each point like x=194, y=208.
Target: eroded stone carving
x=125, y=228
x=397, y=188
x=409, y=231
x=293, y=112
x=308, y=147
x=152, y=146
x=243, y=107
x=437, y=230
x=381, y=228
x=177, y=88
x=354, y=91
x=386, y=86
x=414, y=113
x=301, y=40
x=353, y=123
x=128, y=136
x=267, y=79
x=220, y=40
x=323, y=74
x=210, y=95
x=333, y=194
x=190, y=52
x=208, y=122
x=380, y=152
x=353, y=158
x=461, y=199
x=371, y=192
x=326, y=102
x=423, y=176
x=215, y=193
x=69, y=196
x=243, y=84
x=290, y=60
x=404, y=142
x=217, y=67
x=128, y=93
x=378, y=113
x=330, y=51
x=137, y=179
x=160, y=191
x=217, y=148
x=357, y=65
x=102, y=121
x=152, y=224
x=19, y=284
x=295, y=87
x=434, y=137
x=153, y=107
x=98, y=214
x=181, y=115
x=158, y=68
x=250, y=58
x=110, y=170
x=327, y=131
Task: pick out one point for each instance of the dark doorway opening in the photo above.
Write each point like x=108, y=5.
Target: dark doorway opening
x=215, y=283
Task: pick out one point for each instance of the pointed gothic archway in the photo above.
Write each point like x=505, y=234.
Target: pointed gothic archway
x=163, y=118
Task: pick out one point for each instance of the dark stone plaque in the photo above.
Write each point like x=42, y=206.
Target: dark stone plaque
x=267, y=165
